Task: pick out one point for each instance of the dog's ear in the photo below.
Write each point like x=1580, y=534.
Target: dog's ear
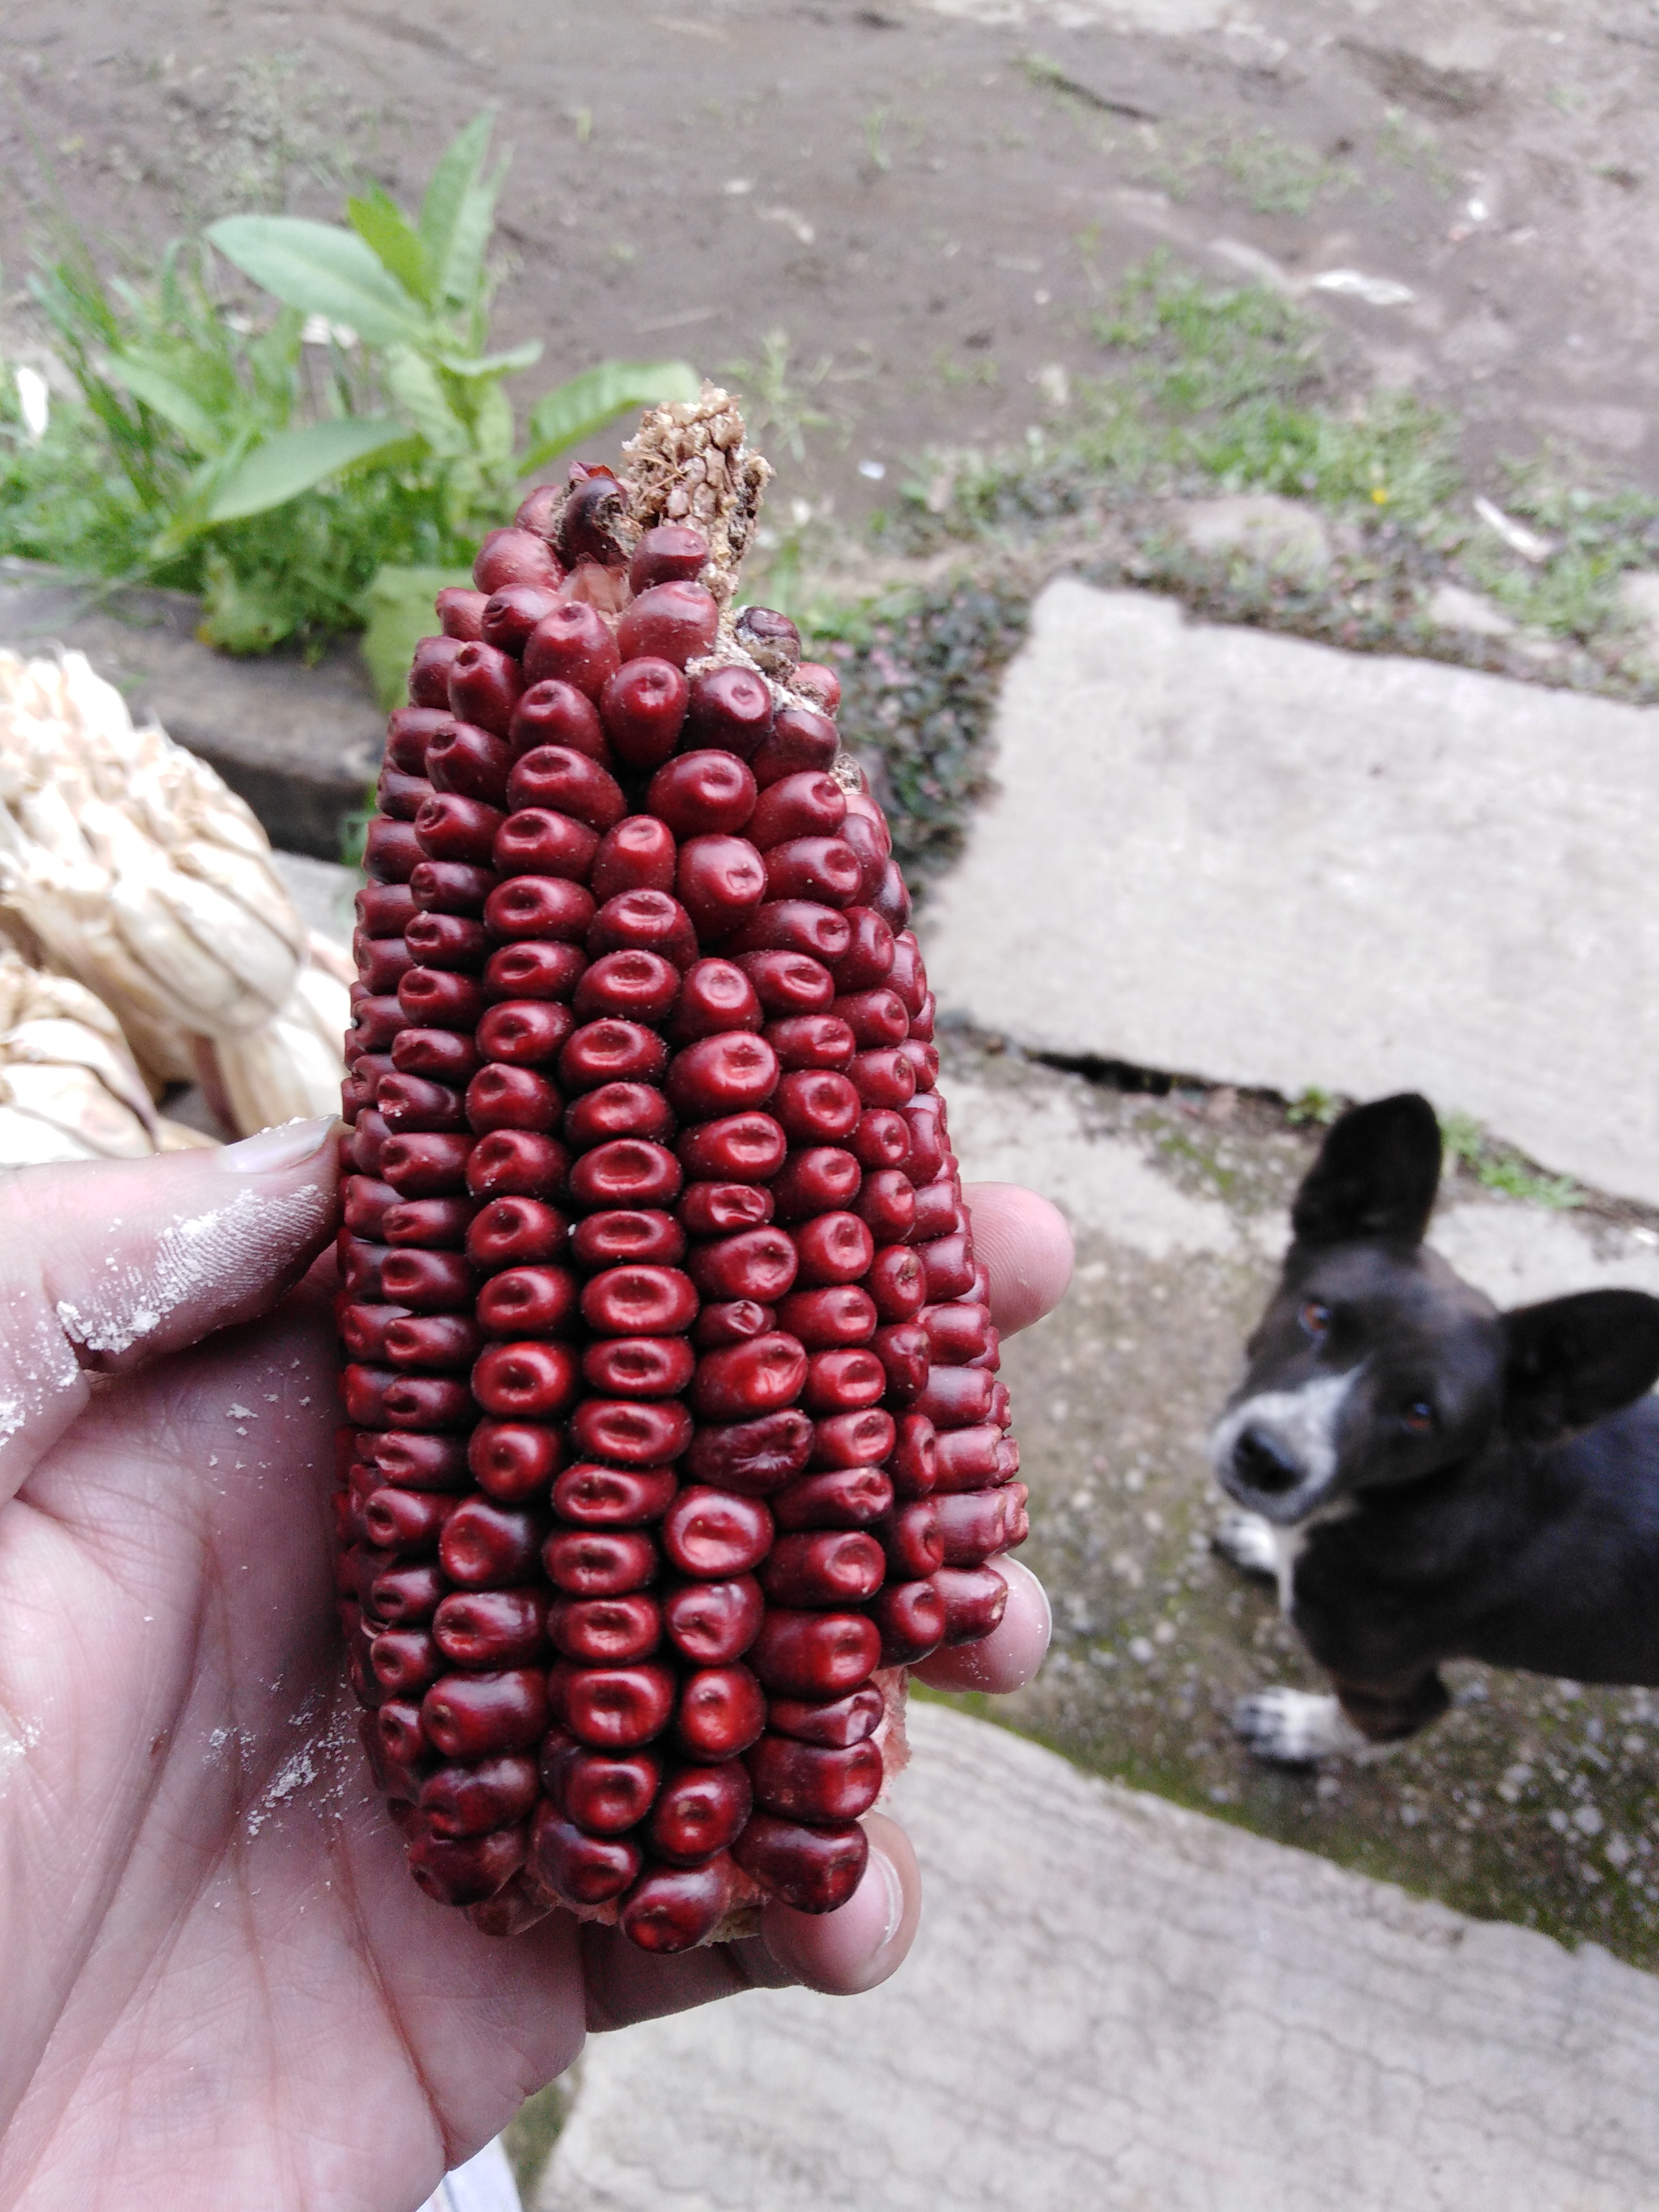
x=1573, y=1361
x=1376, y=1175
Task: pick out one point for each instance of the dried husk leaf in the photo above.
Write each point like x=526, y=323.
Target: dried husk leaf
x=69, y=1089
x=293, y=1067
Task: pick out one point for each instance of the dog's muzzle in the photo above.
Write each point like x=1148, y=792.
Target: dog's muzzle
x=1275, y=1452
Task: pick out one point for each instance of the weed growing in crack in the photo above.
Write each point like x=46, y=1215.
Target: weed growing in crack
x=1494, y=1167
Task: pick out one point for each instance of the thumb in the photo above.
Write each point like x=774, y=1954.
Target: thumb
x=106, y=1265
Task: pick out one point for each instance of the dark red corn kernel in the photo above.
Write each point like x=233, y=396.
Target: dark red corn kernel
x=756, y=1263
x=516, y=1232
x=451, y=886
x=670, y=554
x=436, y=998
x=859, y=1439
x=468, y=1870
x=827, y=1567
x=722, y=1075
x=713, y=1209
x=815, y=1654
x=446, y=940
x=902, y=1348
x=614, y=1708
x=913, y=1539
x=639, y=854
x=815, y=1870
x=730, y=707
x=769, y=638
x=898, y=1282
x=939, y=1210
x=613, y=1497
x=517, y=1163
x=736, y=1148
x=842, y=1381
x=523, y=1302
x=743, y=1380
x=384, y=909
x=425, y=1281
x=877, y=1018
x=402, y=1740
x=812, y=1041
x=754, y=1457
x=714, y=1534
x=470, y=763
x=491, y=1628
x=409, y=732
x=632, y=986
x=716, y=997
x=957, y=1397
x=676, y=621
x=974, y=1525
x=823, y=1179
x=606, y=1632
x=401, y=796
x=921, y=1024
x=534, y=970
x=428, y=674
x=503, y=1097
x=948, y=1262
x=845, y=1721
x=444, y=1344
x=908, y=977
x=649, y=919
x=891, y=899
x=427, y=1401
x=912, y=1619
x=643, y=709
x=630, y=1433
x=440, y=1055
x=700, y=1810
x=823, y=868
x=809, y=1782
x=816, y=1107
x=975, y=1599
x=808, y=806
x=536, y=841
x=795, y=925
x=404, y=1660
x=714, y=1623
x=512, y=613
x=958, y=1333
x=819, y=685
x=478, y=1716
x=377, y=1022
x=367, y=1203
x=418, y=1462
x=368, y=1142
x=488, y=1546
x=485, y=685
x=599, y=1562
x=647, y=1236
x=673, y=1908
x=698, y=792
x=539, y=511
x=914, y=1460
x=406, y=1592
x=800, y=738
x=605, y=1793
x=558, y=714
x=524, y=1032
x=515, y=556
x=639, y=1366
x=837, y=1498
x=588, y=518
x=460, y=612
x=840, y=1314
x=513, y=1460
x=471, y=1801
x=618, y=1109
x=721, y=1711
x=574, y=645
x=612, y=1051
x=638, y=1300
x=451, y=828
x=539, y=907
x=731, y=1320
x=527, y=1381
x=789, y=982
x=883, y=1078
x=582, y=1870
x=721, y=881
x=861, y=834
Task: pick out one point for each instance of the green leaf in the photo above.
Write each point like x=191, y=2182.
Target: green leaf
x=416, y=387
x=241, y=615
x=169, y=399
x=401, y=250
x=284, y=466
x=462, y=278
x=321, y=270
x=491, y=364
x=493, y=431
x=456, y=175
x=582, y=408
x=399, y=607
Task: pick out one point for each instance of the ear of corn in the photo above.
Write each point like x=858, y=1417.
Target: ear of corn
x=674, y=1432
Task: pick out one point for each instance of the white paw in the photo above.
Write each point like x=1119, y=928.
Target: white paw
x=1249, y=1542
x=1294, y=1728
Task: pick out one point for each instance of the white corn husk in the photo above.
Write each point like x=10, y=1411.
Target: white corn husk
x=294, y=1066
x=135, y=867
x=69, y=1087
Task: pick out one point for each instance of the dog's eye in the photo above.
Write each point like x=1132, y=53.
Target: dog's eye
x=1315, y=1318
x=1418, y=1417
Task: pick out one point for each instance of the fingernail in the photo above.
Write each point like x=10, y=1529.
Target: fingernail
x=285, y=1146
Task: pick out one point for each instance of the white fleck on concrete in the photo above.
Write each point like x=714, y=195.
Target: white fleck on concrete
x=1259, y=860
x=1117, y=2004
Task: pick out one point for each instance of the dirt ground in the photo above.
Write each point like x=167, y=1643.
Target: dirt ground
x=891, y=224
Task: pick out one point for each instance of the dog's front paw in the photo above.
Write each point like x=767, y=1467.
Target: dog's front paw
x=1247, y=1540
x=1295, y=1728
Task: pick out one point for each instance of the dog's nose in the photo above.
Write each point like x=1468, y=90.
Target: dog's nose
x=1262, y=1462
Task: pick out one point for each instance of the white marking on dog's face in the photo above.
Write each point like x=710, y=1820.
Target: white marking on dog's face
x=1294, y=1728
x=1301, y=1426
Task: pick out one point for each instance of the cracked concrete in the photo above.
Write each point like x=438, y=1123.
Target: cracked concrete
x=1117, y=2004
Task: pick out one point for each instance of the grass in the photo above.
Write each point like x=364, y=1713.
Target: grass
x=1495, y=1167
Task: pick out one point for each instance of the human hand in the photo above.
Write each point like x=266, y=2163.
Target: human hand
x=222, y=1989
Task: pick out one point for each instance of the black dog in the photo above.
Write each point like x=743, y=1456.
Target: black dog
x=1429, y=1477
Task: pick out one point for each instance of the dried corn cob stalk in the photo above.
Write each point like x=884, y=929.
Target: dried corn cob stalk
x=291, y=1067
x=133, y=867
x=675, y=1426
x=69, y=1089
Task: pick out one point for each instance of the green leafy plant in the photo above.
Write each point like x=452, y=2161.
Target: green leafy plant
x=1495, y=1167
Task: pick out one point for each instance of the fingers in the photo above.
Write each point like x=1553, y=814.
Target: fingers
x=107, y=1264
x=1011, y=1655
x=1027, y=1248
x=840, y=1952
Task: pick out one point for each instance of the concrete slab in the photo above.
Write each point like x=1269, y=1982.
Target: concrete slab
x=1118, y=2004
x=1266, y=862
